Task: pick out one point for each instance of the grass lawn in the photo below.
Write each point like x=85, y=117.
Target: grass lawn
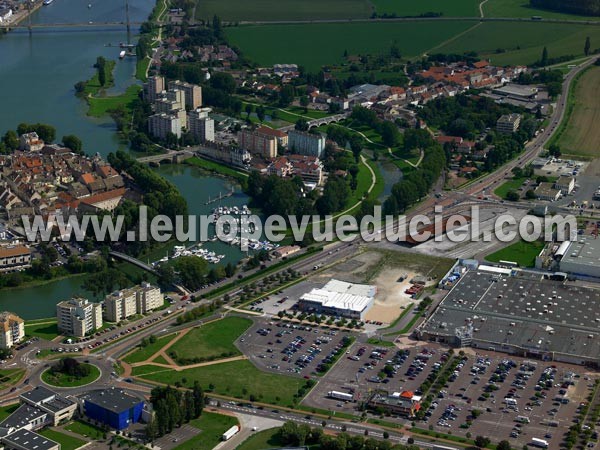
x=239, y=379
x=100, y=106
x=411, y=8
x=143, y=353
x=160, y=360
x=47, y=329
x=522, y=252
x=141, y=68
x=522, y=43
x=7, y=410
x=93, y=87
x=522, y=8
x=63, y=380
x=66, y=442
x=85, y=429
x=261, y=440
x=303, y=44
x=239, y=10
x=212, y=427
x=581, y=131
x=8, y=377
x=509, y=185
x=212, y=340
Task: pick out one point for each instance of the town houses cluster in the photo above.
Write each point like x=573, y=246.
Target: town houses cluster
x=49, y=179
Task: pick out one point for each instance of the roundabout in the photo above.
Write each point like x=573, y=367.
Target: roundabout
x=59, y=379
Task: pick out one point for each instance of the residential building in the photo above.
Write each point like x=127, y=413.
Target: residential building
x=508, y=123
x=136, y=300
x=566, y=184
x=305, y=143
x=171, y=102
x=193, y=93
x=30, y=142
x=201, y=125
x=12, y=329
x=113, y=407
x=160, y=125
x=258, y=143
x=78, y=316
x=281, y=136
x=14, y=258
x=57, y=407
x=153, y=88
x=285, y=251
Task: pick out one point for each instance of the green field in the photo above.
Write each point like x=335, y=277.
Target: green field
x=143, y=353
x=522, y=252
x=9, y=377
x=522, y=8
x=66, y=442
x=7, y=410
x=509, y=185
x=85, y=429
x=268, y=10
x=262, y=440
x=212, y=340
x=522, y=43
x=315, y=45
x=412, y=8
x=48, y=329
x=100, y=106
x=212, y=427
x=580, y=133
x=238, y=379
x=63, y=380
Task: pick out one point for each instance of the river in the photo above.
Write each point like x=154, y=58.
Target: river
x=38, y=72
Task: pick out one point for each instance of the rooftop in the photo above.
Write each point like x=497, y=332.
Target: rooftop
x=341, y=295
x=28, y=439
x=584, y=251
x=115, y=400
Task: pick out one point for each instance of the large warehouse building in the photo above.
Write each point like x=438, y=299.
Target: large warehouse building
x=338, y=298
x=113, y=407
x=582, y=258
x=521, y=314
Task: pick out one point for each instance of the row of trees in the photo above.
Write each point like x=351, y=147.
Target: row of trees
x=390, y=135
x=173, y=408
x=583, y=7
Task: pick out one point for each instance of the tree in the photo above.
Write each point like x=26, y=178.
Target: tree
x=587, y=46
x=530, y=194
x=249, y=109
x=390, y=135
x=151, y=429
x=554, y=89
x=554, y=150
x=304, y=101
x=512, y=196
x=73, y=143
x=261, y=113
x=11, y=140
x=503, y=445
x=544, y=60
x=301, y=125
x=482, y=441
x=286, y=95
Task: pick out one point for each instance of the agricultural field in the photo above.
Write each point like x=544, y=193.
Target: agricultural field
x=521, y=252
x=506, y=43
x=581, y=133
x=305, y=44
x=269, y=10
x=411, y=8
x=265, y=387
x=211, y=341
x=522, y=8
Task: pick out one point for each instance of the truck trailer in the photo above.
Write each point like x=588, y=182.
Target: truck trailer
x=340, y=396
x=230, y=433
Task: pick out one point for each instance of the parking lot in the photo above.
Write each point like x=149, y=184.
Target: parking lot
x=495, y=395
x=291, y=349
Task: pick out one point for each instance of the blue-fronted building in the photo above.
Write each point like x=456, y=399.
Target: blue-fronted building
x=113, y=407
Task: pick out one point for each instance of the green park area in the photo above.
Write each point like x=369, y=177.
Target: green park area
x=523, y=253
x=265, y=387
x=211, y=341
x=57, y=378
x=147, y=348
x=42, y=328
x=268, y=10
x=211, y=426
x=508, y=186
x=66, y=441
x=262, y=439
x=85, y=429
x=100, y=106
x=304, y=43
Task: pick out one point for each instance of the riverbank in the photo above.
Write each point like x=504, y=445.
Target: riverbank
x=22, y=14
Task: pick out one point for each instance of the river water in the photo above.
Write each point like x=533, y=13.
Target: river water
x=37, y=74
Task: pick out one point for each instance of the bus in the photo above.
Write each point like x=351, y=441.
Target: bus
x=508, y=264
x=541, y=443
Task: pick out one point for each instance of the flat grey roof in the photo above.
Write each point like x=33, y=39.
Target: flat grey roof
x=30, y=440
x=22, y=416
x=584, y=251
x=523, y=310
x=115, y=400
x=38, y=395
